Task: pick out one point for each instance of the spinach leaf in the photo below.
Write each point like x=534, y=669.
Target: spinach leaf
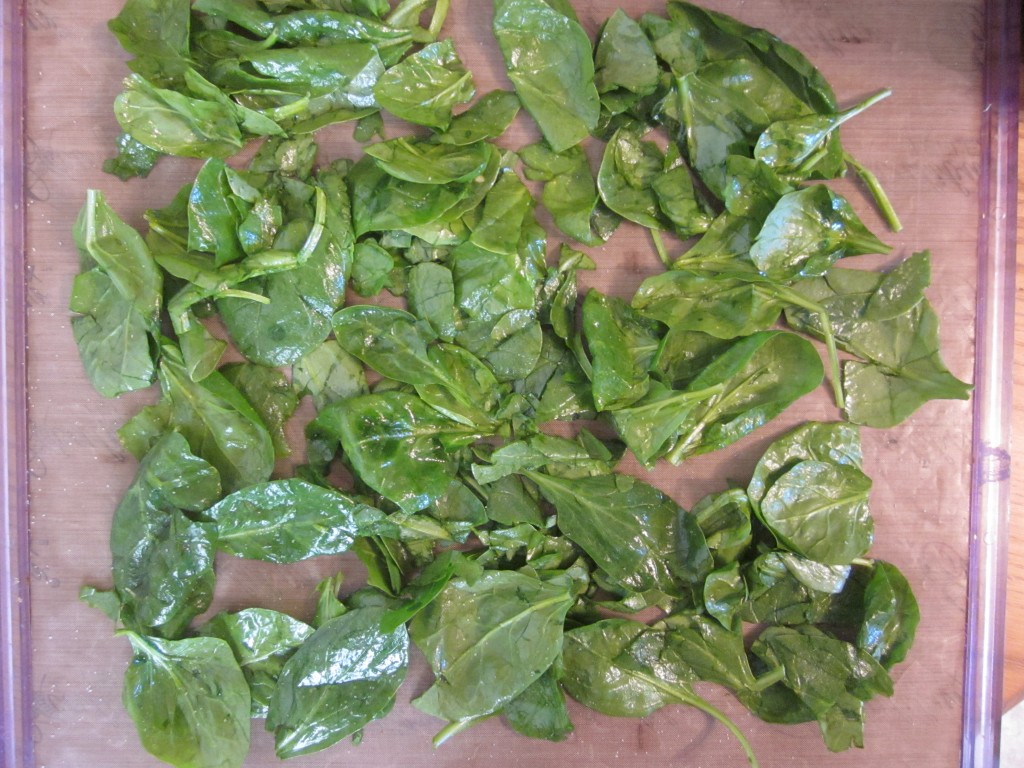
x=629, y=528
x=301, y=301
x=724, y=519
x=284, y=521
x=793, y=147
x=624, y=58
x=891, y=616
x=876, y=318
x=570, y=192
x=723, y=306
x=395, y=344
x=819, y=510
x=555, y=455
x=696, y=648
x=372, y=268
x=218, y=422
x=213, y=218
x=759, y=377
x=262, y=641
x=549, y=61
x=156, y=32
x=113, y=338
x=343, y=676
x=629, y=168
x=105, y=241
x=487, y=641
x=423, y=162
x=118, y=295
x=827, y=675
x=162, y=561
x=621, y=343
x=271, y=396
x=431, y=296
x=807, y=231
x=540, y=711
x=488, y=118
x=426, y=86
x=614, y=666
x=328, y=373
x=399, y=445
x=133, y=159
x=837, y=443
x=189, y=701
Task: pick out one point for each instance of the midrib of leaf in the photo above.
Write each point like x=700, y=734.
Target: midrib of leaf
x=821, y=509
x=714, y=409
x=686, y=696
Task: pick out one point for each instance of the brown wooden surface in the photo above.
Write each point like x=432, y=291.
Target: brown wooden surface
x=923, y=143
x=1013, y=668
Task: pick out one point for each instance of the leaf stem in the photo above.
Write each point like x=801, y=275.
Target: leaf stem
x=437, y=20
x=455, y=728
x=875, y=187
x=794, y=298
x=659, y=246
x=708, y=708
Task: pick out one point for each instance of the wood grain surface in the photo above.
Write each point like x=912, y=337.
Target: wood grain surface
x=923, y=143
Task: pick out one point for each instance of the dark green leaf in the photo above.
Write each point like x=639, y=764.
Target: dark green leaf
x=399, y=445
x=261, y=641
x=550, y=63
x=343, y=677
x=284, y=521
x=426, y=86
x=487, y=641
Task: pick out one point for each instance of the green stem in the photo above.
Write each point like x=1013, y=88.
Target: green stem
x=455, y=728
x=681, y=397
x=875, y=187
x=770, y=678
x=724, y=719
x=690, y=698
x=437, y=20
x=235, y=293
x=794, y=298
x=659, y=246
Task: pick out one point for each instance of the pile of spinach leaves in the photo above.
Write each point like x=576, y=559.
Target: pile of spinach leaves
x=520, y=563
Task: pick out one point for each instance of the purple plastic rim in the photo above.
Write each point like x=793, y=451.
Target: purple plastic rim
x=15, y=646
x=993, y=379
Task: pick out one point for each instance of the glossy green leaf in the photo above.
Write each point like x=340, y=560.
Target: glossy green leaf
x=343, y=676
x=162, y=561
x=549, y=61
x=819, y=510
x=487, y=641
x=426, y=86
x=262, y=641
x=284, y=521
x=488, y=118
x=189, y=701
x=539, y=712
x=807, y=232
x=219, y=424
x=891, y=616
x=759, y=377
x=328, y=373
x=271, y=395
x=398, y=445
x=629, y=528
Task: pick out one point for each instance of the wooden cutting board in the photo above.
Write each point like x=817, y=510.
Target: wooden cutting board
x=923, y=143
